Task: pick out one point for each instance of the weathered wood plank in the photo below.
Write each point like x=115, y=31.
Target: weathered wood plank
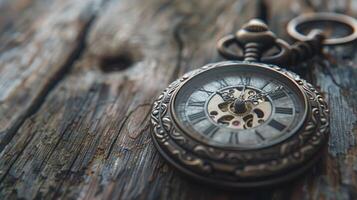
x=38, y=41
x=90, y=138
x=335, y=177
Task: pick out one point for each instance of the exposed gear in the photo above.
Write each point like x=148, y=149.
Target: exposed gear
x=239, y=107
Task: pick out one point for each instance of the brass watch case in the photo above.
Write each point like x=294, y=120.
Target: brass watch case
x=234, y=168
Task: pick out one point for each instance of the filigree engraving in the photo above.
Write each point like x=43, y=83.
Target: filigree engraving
x=209, y=161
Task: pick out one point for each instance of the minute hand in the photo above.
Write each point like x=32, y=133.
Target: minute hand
x=264, y=94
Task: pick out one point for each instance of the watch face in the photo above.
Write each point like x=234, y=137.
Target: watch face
x=240, y=124
x=243, y=106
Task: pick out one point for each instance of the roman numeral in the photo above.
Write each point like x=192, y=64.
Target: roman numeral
x=277, y=94
x=205, y=91
x=233, y=138
x=281, y=110
x=222, y=83
x=277, y=125
x=196, y=103
x=265, y=84
x=247, y=80
x=211, y=130
x=197, y=117
x=259, y=135
x=241, y=80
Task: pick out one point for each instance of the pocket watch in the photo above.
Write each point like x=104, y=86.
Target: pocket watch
x=249, y=122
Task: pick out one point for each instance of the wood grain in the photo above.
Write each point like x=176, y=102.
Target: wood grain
x=39, y=41
x=75, y=125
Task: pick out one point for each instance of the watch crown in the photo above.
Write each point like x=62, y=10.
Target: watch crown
x=256, y=31
x=255, y=25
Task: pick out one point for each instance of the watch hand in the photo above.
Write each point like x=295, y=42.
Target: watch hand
x=263, y=94
x=243, y=92
x=227, y=97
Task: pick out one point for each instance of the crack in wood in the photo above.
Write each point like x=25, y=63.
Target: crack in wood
x=123, y=125
x=54, y=80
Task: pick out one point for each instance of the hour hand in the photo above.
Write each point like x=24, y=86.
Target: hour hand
x=242, y=93
x=256, y=97
x=263, y=94
x=226, y=96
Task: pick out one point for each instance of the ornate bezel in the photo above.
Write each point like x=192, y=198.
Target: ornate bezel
x=238, y=168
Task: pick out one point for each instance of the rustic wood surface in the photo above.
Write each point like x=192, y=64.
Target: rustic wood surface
x=77, y=79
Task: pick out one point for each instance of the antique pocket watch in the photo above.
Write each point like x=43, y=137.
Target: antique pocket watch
x=249, y=123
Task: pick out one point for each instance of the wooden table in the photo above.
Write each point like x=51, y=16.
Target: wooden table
x=77, y=79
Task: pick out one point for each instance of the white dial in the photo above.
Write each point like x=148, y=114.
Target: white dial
x=240, y=107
